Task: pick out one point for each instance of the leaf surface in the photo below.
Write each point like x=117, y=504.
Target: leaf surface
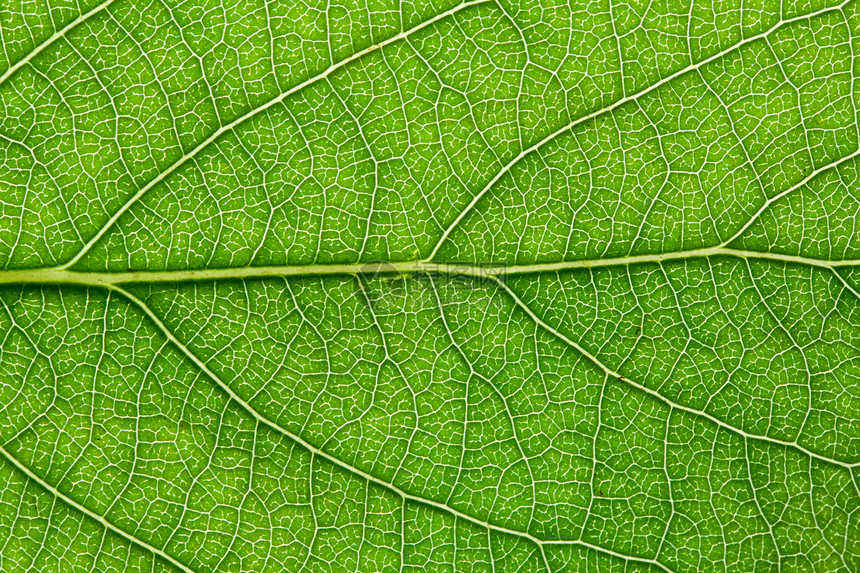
x=483, y=286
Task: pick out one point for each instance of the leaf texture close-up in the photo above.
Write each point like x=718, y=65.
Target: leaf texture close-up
x=404, y=286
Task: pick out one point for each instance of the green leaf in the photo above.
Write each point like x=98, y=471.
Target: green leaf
x=389, y=286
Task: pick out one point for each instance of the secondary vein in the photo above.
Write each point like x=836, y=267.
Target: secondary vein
x=619, y=103
x=159, y=324
x=232, y=125
x=91, y=514
x=53, y=38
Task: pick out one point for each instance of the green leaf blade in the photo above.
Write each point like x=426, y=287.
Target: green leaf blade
x=455, y=287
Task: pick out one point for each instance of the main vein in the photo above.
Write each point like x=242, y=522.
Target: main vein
x=63, y=275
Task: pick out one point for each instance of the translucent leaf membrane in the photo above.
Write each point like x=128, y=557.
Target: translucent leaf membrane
x=387, y=286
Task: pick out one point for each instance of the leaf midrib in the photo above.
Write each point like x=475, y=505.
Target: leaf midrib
x=493, y=274
x=64, y=276
x=115, y=282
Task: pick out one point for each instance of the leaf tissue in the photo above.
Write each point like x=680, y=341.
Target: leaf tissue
x=430, y=286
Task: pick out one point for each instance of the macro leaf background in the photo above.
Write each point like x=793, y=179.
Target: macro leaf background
x=405, y=286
